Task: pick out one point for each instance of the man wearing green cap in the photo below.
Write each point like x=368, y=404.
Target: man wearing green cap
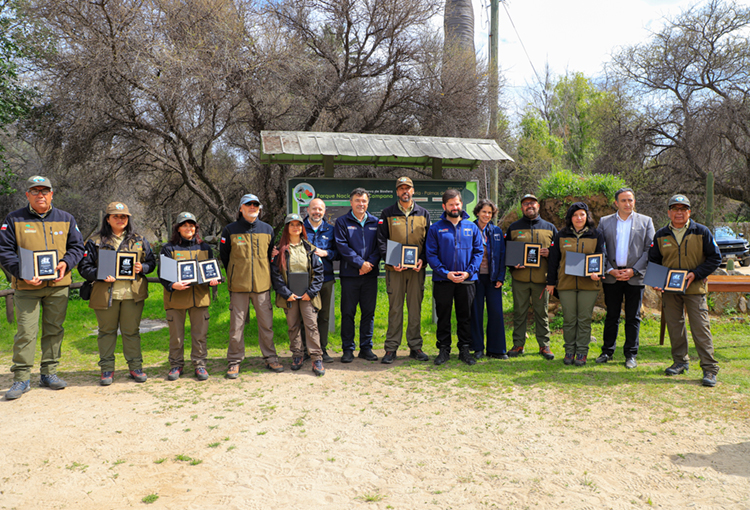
x=39, y=227
x=685, y=244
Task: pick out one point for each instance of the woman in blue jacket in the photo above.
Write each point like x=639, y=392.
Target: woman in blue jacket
x=489, y=286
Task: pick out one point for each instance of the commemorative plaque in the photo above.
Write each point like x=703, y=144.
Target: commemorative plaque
x=669, y=280
x=125, y=265
x=209, y=270
x=594, y=264
x=409, y=256
x=45, y=264
x=676, y=279
x=187, y=271
x=532, y=255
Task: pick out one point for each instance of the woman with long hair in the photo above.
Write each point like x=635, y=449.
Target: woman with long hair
x=296, y=257
x=489, y=286
x=118, y=303
x=577, y=293
x=182, y=299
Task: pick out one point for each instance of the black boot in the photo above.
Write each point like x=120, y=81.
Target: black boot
x=442, y=357
x=466, y=356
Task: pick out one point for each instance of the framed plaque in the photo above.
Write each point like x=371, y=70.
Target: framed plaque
x=409, y=256
x=187, y=271
x=594, y=264
x=45, y=264
x=125, y=265
x=532, y=255
x=676, y=279
x=209, y=270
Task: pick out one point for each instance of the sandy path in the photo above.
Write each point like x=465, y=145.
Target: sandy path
x=357, y=438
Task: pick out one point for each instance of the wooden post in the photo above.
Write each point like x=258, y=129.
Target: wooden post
x=328, y=166
x=437, y=168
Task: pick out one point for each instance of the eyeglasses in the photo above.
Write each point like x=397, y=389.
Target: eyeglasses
x=44, y=192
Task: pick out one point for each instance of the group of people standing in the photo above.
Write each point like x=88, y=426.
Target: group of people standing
x=468, y=270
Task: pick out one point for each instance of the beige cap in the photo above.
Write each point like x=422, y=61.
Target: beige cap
x=401, y=181
x=117, y=208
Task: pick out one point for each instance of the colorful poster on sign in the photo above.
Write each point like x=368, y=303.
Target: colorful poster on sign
x=335, y=193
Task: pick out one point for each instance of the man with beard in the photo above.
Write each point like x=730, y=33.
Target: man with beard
x=404, y=222
x=529, y=283
x=454, y=251
x=320, y=235
x=245, y=250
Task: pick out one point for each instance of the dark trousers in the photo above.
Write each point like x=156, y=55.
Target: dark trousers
x=613, y=296
x=362, y=291
x=486, y=292
x=447, y=295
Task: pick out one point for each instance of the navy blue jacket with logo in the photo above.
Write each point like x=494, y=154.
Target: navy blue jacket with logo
x=495, y=251
x=357, y=244
x=325, y=240
x=454, y=248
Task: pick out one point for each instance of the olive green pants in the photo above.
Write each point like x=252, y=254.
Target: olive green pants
x=700, y=327
x=407, y=285
x=54, y=305
x=578, y=310
x=125, y=314
x=198, y=333
x=525, y=294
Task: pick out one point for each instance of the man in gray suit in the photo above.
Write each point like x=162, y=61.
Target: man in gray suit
x=628, y=236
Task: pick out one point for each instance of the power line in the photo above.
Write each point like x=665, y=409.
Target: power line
x=522, y=44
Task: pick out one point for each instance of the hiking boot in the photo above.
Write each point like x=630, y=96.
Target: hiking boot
x=677, y=368
x=326, y=357
x=139, y=375
x=275, y=366
x=568, y=359
x=603, y=358
x=418, y=355
x=466, y=357
x=201, y=373
x=174, y=374
x=52, y=381
x=297, y=362
x=478, y=354
x=580, y=360
x=317, y=368
x=516, y=351
x=390, y=357
x=444, y=356
x=709, y=379
x=107, y=378
x=233, y=371
x=17, y=389
x=367, y=354
x=496, y=356
x=630, y=363
x=546, y=353
x=347, y=357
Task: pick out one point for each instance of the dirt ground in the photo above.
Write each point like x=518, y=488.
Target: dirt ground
x=363, y=436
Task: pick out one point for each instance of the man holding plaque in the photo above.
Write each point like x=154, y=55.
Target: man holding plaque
x=685, y=244
x=245, y=250
x=320, y=234
x=628, y=236
x=356, y=240
x=454, y=251
x=39, y=227
x=404, y=222
x=529, y=282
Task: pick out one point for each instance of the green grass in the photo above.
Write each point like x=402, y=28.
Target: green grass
x=529, y=373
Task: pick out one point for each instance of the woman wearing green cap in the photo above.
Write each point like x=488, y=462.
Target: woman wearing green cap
x=296, y=259
x=181, y=299
x=118, y=303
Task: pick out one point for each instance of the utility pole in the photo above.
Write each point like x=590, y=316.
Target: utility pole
x=494, y=93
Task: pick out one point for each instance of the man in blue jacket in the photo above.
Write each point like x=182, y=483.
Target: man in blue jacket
x=356, y=240
x=320, y=235
x=454, y=251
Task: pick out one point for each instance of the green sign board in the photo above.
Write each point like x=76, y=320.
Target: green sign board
x=335, y=193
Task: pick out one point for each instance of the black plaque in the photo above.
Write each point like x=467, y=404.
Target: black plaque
x=209, y=270
x=187, y=271
x=676, y=280
x=594, y=264
x=532, y=255
x=125, y=265
x=45, y=264
x=409, y=256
